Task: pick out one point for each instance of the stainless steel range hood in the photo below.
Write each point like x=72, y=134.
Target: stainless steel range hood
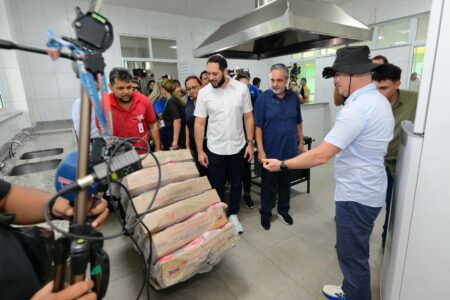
x=284, y=27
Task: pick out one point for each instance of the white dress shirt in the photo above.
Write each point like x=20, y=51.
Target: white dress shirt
x=225, y=109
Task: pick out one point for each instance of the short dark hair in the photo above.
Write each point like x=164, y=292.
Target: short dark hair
x=149, y=82
x=120, y=74
x=303, y=79
x=193, y=77
x=177, y=82
x=381, y=57
x=203, y=72
x=218, y=59
x=242, y=76
x=387, y=72
x=256, y=81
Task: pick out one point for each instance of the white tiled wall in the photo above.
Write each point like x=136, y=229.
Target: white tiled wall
x=11, y=84
x=49, y=87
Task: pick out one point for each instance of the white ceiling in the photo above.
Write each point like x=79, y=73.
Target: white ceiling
x=219, y=10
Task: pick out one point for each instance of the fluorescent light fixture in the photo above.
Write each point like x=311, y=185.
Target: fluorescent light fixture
x=173, y=46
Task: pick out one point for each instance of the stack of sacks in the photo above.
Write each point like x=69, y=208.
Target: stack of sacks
x=165, y=157
x=187, y=220
x=147, y=179
x=178, y=235
x=199, y=256
x=167, y=195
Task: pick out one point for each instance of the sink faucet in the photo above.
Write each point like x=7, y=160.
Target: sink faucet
x=27, y=133
x=11, y=148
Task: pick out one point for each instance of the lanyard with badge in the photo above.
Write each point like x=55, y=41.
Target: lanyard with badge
x=140, y=124
x=162, y=124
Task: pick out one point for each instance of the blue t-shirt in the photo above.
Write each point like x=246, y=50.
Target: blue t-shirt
x=254, y=93
x=278, y=119
x=158, y=105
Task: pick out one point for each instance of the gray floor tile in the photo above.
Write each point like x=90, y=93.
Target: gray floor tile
x=297, y=258
x=294, y=292
x=255, y=278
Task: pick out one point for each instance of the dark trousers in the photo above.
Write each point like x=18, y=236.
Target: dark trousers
x=389, y=195
x=219, y=167
x=166, y=140
x=271, y=183
x=354, y=225
x=247, y=177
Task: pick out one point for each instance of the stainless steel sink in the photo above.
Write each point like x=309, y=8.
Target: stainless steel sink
x=42, y=153
x=34, y=167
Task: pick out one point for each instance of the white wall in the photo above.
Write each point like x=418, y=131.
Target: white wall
x=11, y=85
x=51, y=87
x=376, y=11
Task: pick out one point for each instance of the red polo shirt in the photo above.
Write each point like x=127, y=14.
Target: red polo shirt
x=135, y=121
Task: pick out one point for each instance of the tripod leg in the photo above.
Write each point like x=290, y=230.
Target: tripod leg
x=60, y=255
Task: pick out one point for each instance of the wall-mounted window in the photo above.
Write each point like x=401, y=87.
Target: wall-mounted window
x=133, y=46
x=392, y=34
x=308, y=71
x=422, y=28
x=164, y=49
x=155, y=55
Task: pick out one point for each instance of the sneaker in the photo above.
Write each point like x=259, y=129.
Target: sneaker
x=237, y=225
x=286, y=219
x=265, y=222
x=248, y=201
x=333, y=292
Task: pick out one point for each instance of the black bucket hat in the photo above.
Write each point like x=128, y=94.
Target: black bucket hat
x=350, y=60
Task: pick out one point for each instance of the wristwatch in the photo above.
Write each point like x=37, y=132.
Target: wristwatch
x=283, y=166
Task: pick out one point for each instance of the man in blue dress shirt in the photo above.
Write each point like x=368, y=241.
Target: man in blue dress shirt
x=279, y=134
x=359, y=140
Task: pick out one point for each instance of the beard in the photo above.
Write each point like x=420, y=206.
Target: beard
x=219, y=83
x=121, y=100
x=277, y=91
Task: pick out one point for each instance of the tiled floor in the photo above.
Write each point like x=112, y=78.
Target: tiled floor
x=286, y=262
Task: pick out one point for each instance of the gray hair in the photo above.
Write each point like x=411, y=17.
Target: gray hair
x=280, y=67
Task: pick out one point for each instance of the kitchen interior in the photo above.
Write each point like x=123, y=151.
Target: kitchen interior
x=294, y=262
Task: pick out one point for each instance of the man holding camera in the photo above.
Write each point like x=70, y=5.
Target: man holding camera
x=18, y=279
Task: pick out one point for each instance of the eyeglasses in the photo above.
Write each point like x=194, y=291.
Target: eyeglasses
x=192, y=88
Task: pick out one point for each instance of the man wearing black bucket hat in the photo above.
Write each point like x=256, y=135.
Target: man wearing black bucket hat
x=359, y=140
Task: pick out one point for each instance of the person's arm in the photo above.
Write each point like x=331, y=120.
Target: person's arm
x=28, y=204
x=199, y=133
x=315, y=157
x=307, y=92
x=300, y=98
x=176, y=133
x=249, y=123
x=186, y=129
x=259, y=144
x=155, y=136
x=301, y=146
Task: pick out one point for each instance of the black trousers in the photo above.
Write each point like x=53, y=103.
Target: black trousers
x=271, y=183
x=219, y=167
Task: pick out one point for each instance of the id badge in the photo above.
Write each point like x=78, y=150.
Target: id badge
x=141, y=127
x=162, y=124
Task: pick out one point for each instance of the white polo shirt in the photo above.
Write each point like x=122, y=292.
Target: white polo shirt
x=225, y=109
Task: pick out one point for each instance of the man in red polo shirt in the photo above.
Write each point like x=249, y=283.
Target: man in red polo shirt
x=132, y=112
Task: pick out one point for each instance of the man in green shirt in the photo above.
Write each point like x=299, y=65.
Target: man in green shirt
x=403, y=103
